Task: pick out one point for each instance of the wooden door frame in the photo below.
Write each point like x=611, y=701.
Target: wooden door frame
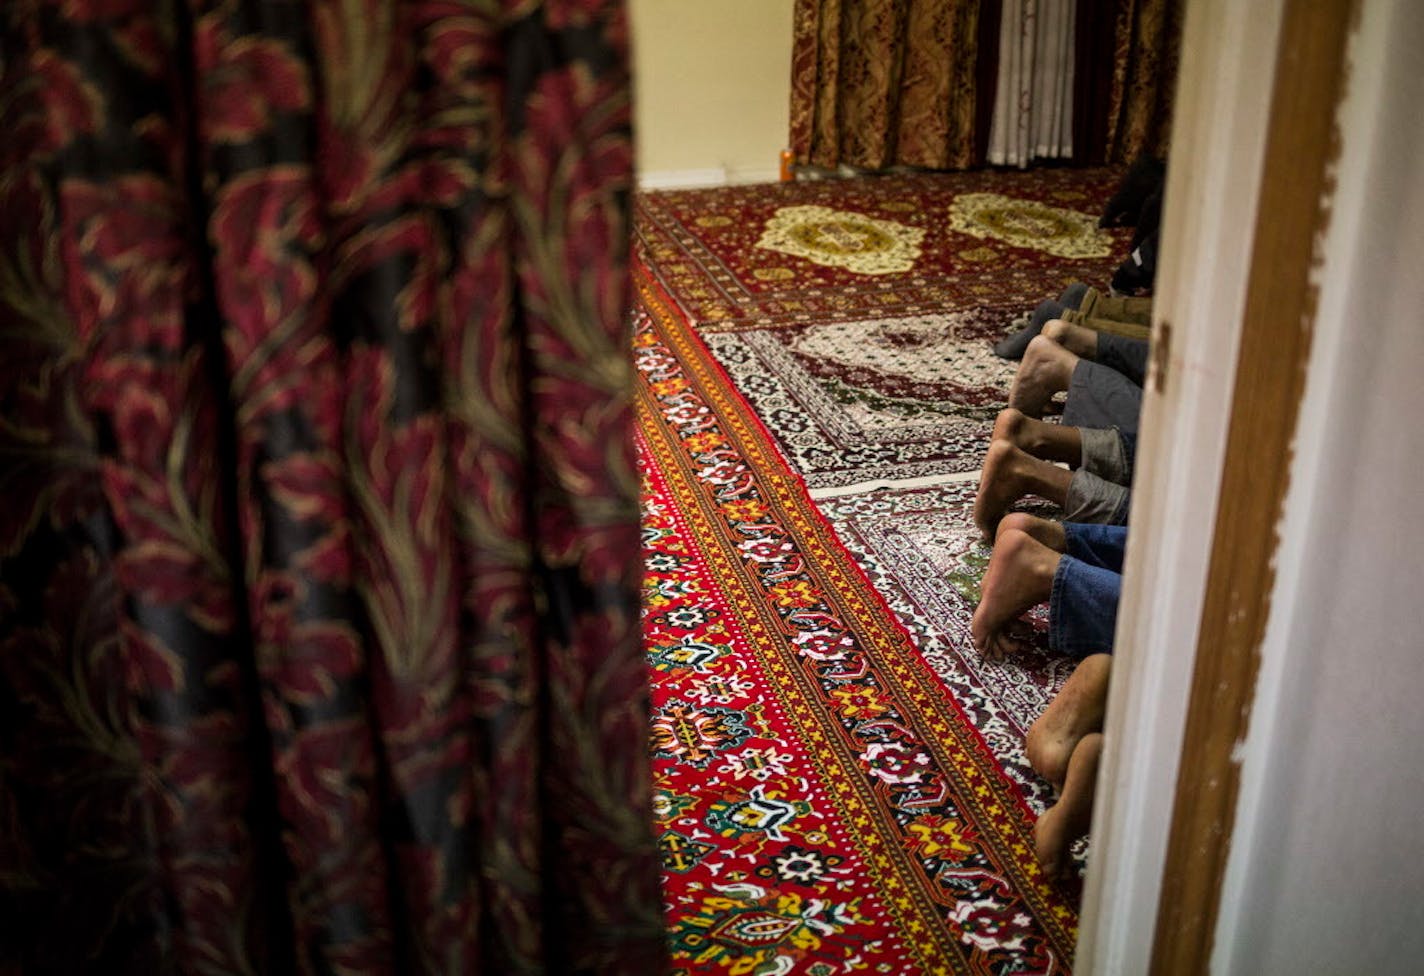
x=1247, y=203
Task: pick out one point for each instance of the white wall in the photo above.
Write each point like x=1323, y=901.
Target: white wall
x=711, y=90
x=1327, y=866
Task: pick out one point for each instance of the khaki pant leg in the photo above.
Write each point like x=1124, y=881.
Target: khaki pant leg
x=1129, y=329
x=1123, y=308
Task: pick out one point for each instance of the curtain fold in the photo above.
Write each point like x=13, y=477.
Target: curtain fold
x=1127, y=52
x=1033, y=108
x=319, y=563
x=949, y=84
x=882, y=83
x=1147, y=39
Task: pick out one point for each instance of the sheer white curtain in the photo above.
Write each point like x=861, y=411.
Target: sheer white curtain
x=1033, y=101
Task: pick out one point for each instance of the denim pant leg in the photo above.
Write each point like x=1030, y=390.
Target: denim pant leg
x=1096, y=545
x=1107, y=454
x=1129, y=451
x=1091, y=498
x=1082, y=608
x=1099, y=490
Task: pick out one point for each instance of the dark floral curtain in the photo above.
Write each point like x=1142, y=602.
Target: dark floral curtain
x=318, y=507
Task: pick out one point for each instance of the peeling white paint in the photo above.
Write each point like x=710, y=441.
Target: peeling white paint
x=1323, y=874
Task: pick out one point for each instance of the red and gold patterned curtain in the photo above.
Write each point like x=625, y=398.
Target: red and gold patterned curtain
x=319, y=563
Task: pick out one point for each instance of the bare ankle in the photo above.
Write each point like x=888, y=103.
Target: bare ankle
x=999, y=485
x=1044, y=371
x=1008, y=425
x=1018, y=522
x=1047, y=751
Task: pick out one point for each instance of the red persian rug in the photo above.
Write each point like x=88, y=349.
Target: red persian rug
x=826, y=803
x=817, y=251
x=857, y=316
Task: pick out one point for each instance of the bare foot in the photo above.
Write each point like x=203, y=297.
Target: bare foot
x=1008, y=425
x=1047, y=531
x=998, y=485
x=1051, y=442
x=1047, y=368
x=1069, y=818
x=1077, y=339
x=1076, y=712
x=1020, y=575
x=1008, y=475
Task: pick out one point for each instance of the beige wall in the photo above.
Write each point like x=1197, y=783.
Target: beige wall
x=711, y=87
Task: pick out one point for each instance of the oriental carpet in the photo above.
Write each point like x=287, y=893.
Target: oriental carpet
x=840, y=779
x=817, y=251
x=856, y=315
x=826, y=804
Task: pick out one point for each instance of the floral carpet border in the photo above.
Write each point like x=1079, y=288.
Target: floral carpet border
x=724, y=468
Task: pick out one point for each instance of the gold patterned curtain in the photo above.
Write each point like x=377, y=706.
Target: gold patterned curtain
x=881, y=83
x=1147, y=36
x=1125, y=78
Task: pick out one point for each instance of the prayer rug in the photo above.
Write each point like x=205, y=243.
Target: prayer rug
x=857, y=315
x=884, y=401
x=921, y=551
x=881, y=247
x=826, y=804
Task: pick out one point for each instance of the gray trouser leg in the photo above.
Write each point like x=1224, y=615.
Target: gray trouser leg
x=1127, y=356
x=1101, y=397
x=1092, y=499
x=1104, y=455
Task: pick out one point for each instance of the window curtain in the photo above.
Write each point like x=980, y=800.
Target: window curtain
x=1127, y=53
x=1033, y=104
x=951, y=84
x=882, y=83
x=319, y=556
x=1148, y=40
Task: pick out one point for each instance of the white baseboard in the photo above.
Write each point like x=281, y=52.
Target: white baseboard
x=676, y=179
